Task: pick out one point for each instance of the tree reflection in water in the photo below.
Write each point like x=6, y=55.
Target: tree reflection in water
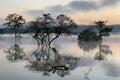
x=90, y=45
x=44, y=59
x=15, y=52
x=86, y=74
x=49, y=61
x=103, y=52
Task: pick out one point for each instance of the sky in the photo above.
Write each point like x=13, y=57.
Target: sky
x=81, y=11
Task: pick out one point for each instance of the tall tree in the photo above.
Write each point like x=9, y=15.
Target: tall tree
x=103, y=30
x=42, y=28
x=15, y=21
x=65, y=21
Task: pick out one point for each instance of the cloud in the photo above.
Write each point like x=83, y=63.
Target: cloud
x=55, y=10
x=91, y=5
x=109, y=2
x=83, y=5
x=74, y=6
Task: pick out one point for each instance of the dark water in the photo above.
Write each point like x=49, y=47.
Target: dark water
x=67, y=59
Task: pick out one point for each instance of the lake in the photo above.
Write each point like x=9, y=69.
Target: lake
x=66, y=59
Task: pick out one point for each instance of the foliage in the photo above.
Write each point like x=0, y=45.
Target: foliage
x=42, y=23
x=46, y=25
x=103, y=30
x=65, y=21
x=87, y=35
x=14, y=21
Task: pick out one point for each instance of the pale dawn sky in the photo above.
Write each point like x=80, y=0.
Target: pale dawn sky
x=81, y=11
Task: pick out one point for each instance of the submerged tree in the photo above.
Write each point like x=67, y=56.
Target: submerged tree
x=46, y=25
x=103, y=30
x=15, y=21
x=42, y=28
x=87, y=35
x=90, y=34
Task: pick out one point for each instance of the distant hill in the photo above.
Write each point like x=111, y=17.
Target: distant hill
x=116, y=28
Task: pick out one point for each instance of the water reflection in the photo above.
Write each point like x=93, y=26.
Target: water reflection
x=86, y=73
x=15, y=52
x=88, y=45
x=49, y=61
x=103, y=50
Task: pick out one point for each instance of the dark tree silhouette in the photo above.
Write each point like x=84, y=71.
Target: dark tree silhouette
x=103, y=30
x=87, y=35
x=42, y=27
x=65, y=21
x=15, y=21
x=45, y=26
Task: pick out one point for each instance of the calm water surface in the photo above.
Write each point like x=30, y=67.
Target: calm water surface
x=67, y=59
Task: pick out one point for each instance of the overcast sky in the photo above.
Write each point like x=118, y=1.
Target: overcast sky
x=82, y=11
